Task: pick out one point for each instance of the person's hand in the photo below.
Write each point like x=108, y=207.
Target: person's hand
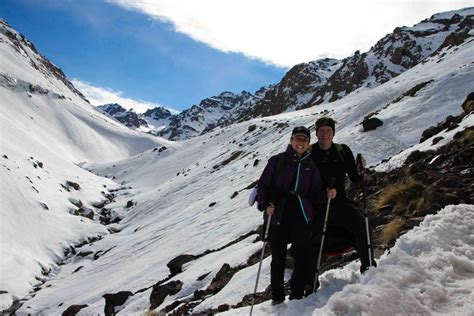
x=270, y=209
x=360, y=162
x=332, y=193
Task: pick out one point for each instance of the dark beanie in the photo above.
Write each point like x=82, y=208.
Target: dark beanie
x=302, y=131
x=326, y=121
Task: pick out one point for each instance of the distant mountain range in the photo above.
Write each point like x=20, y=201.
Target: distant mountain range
x=317, y=82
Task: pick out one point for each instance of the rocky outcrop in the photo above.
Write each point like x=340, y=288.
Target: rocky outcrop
x=73, y=310
x=161, y=291
x=158, y=113
x=300, y=83
x=176, y=265
x=114, y=300
x=24, y=47
x=127, y=117
x=221, y=110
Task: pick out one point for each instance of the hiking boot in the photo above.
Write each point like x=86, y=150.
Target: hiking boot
x=295, y=297
x=277, y=302
x=365, y=268
x=308, y=290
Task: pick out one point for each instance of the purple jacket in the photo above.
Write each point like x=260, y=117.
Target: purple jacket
x=285, y=174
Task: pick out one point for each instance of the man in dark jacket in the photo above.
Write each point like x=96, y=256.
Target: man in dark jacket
x=288, y=190
x=334, y=162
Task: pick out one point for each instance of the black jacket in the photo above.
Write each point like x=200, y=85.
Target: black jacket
x=337, y=162
x=297, y=178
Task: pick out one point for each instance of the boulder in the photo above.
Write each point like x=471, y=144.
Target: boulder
x=114, y=300
x=160, y=292
x=73, y=310
x=371, y=124
x=176, y=264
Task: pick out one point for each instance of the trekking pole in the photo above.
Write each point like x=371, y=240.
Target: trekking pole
x=366, y=213
x=316, y=275
x=321, y=246
x=261, y=259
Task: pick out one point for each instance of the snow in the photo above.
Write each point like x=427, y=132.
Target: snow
x=449, y=14
x=429, y=271
x=173, y=191
x=44, y=137
x=398, y=160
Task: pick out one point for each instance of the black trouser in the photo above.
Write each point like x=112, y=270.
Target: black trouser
x=296, y=231
x=347, y=215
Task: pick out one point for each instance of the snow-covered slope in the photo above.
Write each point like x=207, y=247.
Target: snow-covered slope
x=36, y=94
x=190, y=198
x=184, y=199
x=47, y=128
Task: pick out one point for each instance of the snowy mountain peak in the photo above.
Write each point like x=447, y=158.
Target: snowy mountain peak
x=221, y=110
x=127, y=117
x=328, y=80
x=30, y=55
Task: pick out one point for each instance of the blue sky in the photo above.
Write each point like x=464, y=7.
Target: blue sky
x=174, y=53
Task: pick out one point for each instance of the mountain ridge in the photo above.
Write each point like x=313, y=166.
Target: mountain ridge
x=327, y=80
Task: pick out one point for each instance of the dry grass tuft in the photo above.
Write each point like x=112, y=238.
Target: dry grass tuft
x=404, y=196
x=391, y=231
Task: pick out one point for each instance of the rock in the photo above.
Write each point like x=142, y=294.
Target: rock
x=176, y=264
x=76, y=202
x=129, y=204
x=74, y=185
x=371, y=124
x=427, y=133
x=212, y=204
x=44, y=206
x=86, y=212
x=223, y=308
x=84, y=254
x=100, y=204
x=468, y=104
x=234, y=194
x=113, y=300
x=222, y=277
x=437, y=140
x=73, y=310
x=77, y=269
x=160, y=292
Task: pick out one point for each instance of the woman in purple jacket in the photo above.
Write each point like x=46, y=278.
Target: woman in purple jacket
x=290, y=189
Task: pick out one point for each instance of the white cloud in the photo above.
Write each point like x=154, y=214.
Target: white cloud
x=100, y=96
x=288, y=32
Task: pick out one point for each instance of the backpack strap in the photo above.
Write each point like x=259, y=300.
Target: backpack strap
x=340, y=151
